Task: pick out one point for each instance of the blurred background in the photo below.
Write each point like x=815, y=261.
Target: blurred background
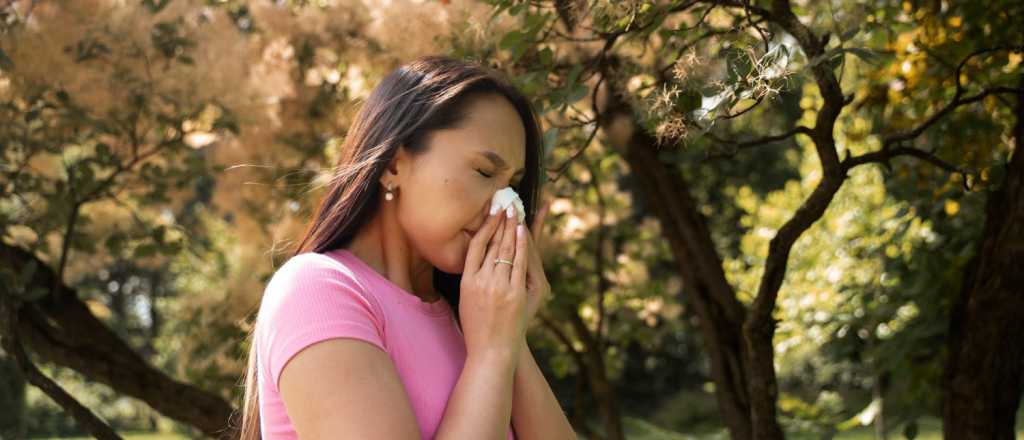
x=788, y=219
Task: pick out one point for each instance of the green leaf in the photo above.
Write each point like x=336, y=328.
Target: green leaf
x=865, y=54
x=577, y=93
x=531, y=84
x=515, y=42
x=519, y=7
x=738, y=63
x=546, y=57
x=511, y=39
x=145, y=250
x=115, y=243
x=574, y=73
x=832, y=56
x=688, y=101
x=497, y=11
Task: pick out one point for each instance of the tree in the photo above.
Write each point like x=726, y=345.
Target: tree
x=607, y=44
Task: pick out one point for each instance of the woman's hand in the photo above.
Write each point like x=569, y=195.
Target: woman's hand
x=493, y=296
x=537, y=287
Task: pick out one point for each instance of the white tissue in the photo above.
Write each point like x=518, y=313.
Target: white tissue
x=507, y=196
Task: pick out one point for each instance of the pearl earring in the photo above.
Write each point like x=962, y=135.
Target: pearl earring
x=389, y=195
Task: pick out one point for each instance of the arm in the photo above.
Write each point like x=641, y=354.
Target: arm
x=536, y=413
x=481, y=403
x=370, y=402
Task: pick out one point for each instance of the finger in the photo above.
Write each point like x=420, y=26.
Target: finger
x=521, y=259
x=478, y=244
x=507, y=250
x=495, y=243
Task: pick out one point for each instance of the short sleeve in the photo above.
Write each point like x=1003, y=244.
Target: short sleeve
x=312, y=298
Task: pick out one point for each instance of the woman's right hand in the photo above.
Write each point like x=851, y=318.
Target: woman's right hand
x=492, y=300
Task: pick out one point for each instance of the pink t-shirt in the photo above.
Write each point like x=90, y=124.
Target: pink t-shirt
x=313, y=297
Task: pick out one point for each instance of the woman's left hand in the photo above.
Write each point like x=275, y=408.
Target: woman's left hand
x=537, y=287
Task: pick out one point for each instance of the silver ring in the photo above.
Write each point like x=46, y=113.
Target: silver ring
x=499, y=260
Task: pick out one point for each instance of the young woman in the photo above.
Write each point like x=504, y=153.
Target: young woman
x=403, y=312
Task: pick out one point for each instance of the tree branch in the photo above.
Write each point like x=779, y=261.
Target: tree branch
x=561, y=169
x=736, y=146
x=958, y=100
x=12, y=345
x=890, y=148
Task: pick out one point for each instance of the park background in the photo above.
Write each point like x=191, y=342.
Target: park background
x=799, y=219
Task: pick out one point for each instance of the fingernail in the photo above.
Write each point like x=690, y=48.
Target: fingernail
x=509, y=211
x=494, y=209
x=519, y=231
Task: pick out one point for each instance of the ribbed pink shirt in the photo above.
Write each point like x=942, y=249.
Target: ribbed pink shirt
x=314, y=297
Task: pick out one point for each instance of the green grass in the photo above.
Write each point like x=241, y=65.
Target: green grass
x=929, y=428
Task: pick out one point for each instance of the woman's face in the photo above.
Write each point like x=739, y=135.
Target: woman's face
x=446, y=192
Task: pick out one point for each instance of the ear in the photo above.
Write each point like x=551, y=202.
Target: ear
x=397, y=169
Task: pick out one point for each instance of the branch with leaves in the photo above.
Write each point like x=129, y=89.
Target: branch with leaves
x=892, y=145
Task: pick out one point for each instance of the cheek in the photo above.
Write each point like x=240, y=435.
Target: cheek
x=468, y=192
x=449, y=204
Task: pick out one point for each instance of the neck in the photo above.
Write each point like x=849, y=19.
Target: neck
x=382, y=245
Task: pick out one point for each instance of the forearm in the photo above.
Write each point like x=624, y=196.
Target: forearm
x=536, y=413
x=480, y=406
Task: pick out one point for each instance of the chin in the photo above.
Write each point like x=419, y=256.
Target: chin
x=455, y=264
x=455, y=270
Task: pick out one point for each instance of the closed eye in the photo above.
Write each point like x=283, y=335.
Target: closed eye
x=514, y=184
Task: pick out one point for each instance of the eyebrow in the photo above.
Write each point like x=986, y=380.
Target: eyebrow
x=498, y=161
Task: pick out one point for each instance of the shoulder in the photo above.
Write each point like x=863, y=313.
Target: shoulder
x=304, y=266
x=309, y=299
x=317, y=284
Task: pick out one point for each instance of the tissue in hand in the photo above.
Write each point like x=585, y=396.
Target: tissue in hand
x=507, y=196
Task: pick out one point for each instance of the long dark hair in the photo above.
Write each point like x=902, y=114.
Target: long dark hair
x=426, y=94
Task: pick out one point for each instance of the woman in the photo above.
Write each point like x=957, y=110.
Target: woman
x=403, y=312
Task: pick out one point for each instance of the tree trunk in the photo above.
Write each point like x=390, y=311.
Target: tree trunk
x=878, y=393
x=12, y=399
x=705, y=286
x=62, y=330
x=984, y=374
x=600, y=387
